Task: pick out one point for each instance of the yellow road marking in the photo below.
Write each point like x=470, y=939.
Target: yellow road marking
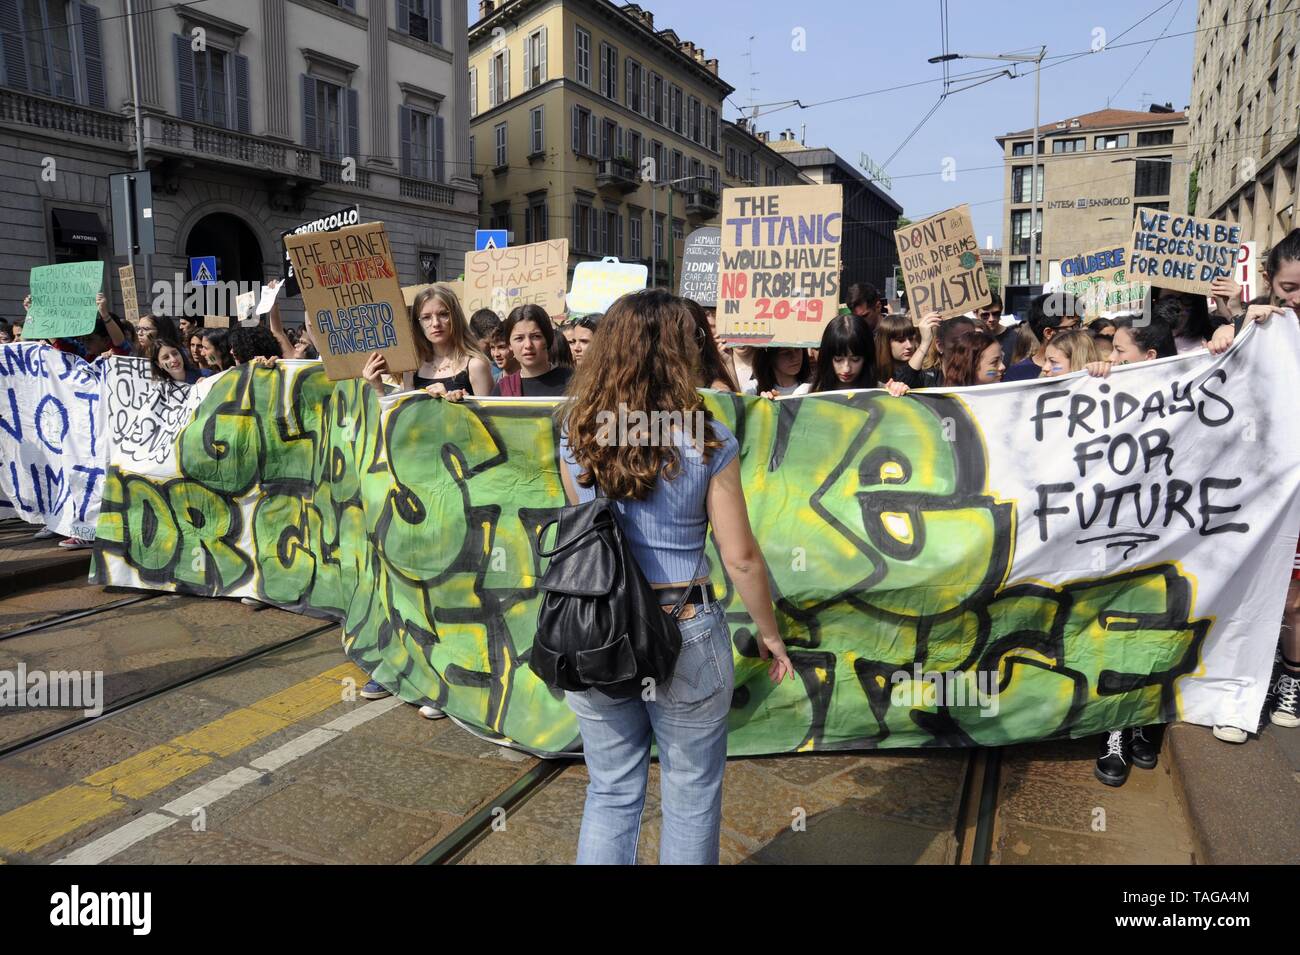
x=108, y=790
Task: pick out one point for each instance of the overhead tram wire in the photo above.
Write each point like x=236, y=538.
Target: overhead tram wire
x=1144, y=56
x=1058, y=59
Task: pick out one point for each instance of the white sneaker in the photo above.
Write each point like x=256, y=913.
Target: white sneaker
x=1230, y=734
x=1286, y=702
x=253, y=602
x=44, y=534
x=432, y=713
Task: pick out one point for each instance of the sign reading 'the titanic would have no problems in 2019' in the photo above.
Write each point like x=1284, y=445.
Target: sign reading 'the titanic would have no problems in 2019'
x=779, y=281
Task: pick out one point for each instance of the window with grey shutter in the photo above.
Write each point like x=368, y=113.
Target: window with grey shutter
x=403, y=16
x=92, y=58
x=242, y=121
x=439, y=150
x=404, y=128
x=185, y=104
x=310, y=138
x=11, y=46
x=354, y=121
x=435, y=15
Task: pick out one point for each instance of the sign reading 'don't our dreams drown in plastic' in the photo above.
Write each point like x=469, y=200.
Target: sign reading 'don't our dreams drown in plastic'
x=779, y=281
x=353, y=298
x=941, y=265
x=1182, y=252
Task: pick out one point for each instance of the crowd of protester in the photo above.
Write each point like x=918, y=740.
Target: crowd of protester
x=653, y=343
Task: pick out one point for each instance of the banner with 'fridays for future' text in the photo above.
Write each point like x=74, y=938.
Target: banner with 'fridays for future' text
x=986, y=566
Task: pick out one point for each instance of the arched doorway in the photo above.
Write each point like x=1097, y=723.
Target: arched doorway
x=239, y=254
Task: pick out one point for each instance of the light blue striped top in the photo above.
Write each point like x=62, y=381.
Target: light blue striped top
x=666, y=531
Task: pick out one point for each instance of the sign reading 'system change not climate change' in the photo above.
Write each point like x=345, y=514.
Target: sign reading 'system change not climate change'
x=941, y=265
x=353, y=298
x=1183, y=253
x=780, y=275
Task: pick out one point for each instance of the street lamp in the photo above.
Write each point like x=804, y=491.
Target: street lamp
x=668, y=226
x=1037, y=60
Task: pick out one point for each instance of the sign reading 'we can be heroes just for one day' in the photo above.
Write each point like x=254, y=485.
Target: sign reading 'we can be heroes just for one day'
x=353, y=299
x=779, y=280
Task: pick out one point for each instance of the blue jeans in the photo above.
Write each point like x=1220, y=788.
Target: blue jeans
x=688, y=718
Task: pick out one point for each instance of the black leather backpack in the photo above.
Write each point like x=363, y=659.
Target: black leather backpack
x=599, y=623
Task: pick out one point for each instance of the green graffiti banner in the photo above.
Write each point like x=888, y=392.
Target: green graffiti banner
x=930, y=591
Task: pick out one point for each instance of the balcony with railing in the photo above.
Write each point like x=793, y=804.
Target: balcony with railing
x=256, y=154
x=333, y=173
x=618, y=173
x=702, y=203
x=62, y=118
x=426, y=191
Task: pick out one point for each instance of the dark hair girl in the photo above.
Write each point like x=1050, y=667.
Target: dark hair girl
x=846, y=355
x=972, y=357
x=530, y=333
x=785, y=371
x=216, y=349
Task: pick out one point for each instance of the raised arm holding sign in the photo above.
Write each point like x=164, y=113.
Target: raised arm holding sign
x=63, y=300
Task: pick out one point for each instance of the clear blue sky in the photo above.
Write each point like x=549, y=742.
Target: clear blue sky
x=854, y=47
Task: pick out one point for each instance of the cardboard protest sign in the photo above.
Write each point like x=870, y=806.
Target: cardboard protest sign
x=1099, y=282
x=941, y=265
x=779, y=279
x=501, y=279
x=63, y=300
x=1182, y=252
x=700, y=260
x=353, y=299
x=597, y=285
x=338, y=219
x=216, y=321
x=130, y=298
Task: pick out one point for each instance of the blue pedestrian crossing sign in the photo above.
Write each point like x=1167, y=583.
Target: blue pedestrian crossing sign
x=203, y=270
x=490, y=239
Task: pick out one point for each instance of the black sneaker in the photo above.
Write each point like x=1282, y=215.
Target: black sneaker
x=1285, y=710
x=1144, y=749
x=1113, y=764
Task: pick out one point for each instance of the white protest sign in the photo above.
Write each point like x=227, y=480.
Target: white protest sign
x=597, y=285
x=270, y=292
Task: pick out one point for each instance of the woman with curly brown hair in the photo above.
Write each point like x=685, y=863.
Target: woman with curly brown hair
x=669, y=485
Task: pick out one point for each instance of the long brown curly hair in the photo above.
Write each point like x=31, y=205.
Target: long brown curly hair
x=644, y=359
x=961, y=356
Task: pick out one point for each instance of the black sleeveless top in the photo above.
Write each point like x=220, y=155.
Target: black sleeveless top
x=458, y=381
